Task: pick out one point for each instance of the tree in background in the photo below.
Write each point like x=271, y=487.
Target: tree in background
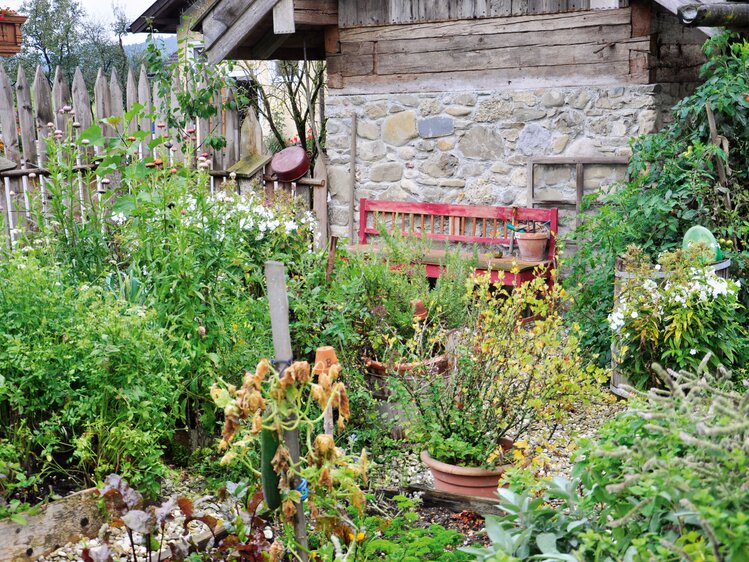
x=59, y=33
x=293, y=90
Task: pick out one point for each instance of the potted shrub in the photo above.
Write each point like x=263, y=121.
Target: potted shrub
x=402, y=306
x=504, y=376
x=675, y=311
x=532, y=243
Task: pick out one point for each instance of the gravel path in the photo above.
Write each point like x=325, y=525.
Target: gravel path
x=407, y=469
x=400, y=471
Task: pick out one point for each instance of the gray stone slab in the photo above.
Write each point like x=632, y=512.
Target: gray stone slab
x=436, y=127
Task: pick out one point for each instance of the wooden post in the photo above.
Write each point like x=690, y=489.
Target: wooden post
x=232, y=132
x=60, y=97
x=8, y=119
x=353, y=178
x=81, y=101
x=320, y=202
x=144, y=98
x=26, y=117
x=278, y=301
x=103, y=103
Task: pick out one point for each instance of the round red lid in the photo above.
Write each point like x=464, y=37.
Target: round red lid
x=290, y=164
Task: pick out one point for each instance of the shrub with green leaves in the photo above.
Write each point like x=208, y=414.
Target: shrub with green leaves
x=676, y=312
x=673, y=186
x=89, y=379
x=664, y=481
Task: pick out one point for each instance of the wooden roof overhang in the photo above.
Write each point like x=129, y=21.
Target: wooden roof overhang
x=267, y=29
x=162, y=16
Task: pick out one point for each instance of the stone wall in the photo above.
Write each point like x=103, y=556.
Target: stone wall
x=473, y=148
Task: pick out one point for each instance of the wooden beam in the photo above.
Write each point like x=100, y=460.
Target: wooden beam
x=268, y=45
x=235, y=33
x=727, y=15
x=674, y=5
x=283, y=17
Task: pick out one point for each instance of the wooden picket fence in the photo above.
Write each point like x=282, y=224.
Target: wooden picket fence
x=34, y=114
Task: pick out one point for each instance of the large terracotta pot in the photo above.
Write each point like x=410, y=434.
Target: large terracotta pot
x=532, y=245
x=466, y=481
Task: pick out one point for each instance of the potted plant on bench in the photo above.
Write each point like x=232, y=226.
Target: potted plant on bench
x=504, y=376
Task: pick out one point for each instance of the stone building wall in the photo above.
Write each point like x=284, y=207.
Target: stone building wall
x=473, y=148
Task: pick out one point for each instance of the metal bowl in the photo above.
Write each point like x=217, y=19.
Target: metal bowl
x=290, y=164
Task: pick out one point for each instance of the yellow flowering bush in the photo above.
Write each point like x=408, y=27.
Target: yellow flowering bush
x=514, y=366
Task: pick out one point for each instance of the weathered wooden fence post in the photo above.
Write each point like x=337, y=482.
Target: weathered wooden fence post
x=278, y=301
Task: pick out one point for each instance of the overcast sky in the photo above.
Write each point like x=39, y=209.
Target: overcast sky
x=101, y=11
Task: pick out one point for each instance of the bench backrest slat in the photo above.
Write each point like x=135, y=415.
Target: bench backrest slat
x=444, y=222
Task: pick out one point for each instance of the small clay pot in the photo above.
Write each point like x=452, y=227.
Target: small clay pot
x=325, y=357
x=532, y=245
x=467, y=481
x=420, y=311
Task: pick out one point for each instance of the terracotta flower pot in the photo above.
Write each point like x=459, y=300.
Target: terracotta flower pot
x=325, y=357
x=467, y=481
x=532, y=245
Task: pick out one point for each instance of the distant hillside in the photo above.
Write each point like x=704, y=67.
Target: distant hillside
x=167, y=44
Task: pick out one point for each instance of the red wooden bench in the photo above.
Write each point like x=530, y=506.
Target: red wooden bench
x=467, y=224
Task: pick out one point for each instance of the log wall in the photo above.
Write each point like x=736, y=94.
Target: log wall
x=354, y=13
x=590, y=47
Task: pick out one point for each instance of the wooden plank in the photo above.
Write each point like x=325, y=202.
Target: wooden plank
x=8, y=119
x=509, y=58
x=590, y=74
x=520, y=7
x=26, y=117
x=460, y=44
x=220, y=18
x=232, y=131
x=81, y=101
x=320, y=202
x=283, y=17
x=103, y=103
x=45, y=115
x=115, y=101
x=60, y=522
x=317, y=13
x=542, y=23
x=131, y=93
x=60, y=98
x=203, y=126
x=144, y=99
x=234, y=34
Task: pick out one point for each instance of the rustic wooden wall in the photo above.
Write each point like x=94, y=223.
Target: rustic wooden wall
x=353, y=13
x=573, y=48
x=678, y=52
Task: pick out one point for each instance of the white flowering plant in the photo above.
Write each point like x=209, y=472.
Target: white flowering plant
x=675, y=311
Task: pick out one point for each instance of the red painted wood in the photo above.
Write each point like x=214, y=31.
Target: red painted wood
x=460, y=212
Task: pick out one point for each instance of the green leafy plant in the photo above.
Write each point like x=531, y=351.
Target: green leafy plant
x=677, y=317
x=88, y=379
x=663, y=481
x=274, y=403
x=531, y=529
x=393, y=532
x=674, y=184
x=505, y=375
